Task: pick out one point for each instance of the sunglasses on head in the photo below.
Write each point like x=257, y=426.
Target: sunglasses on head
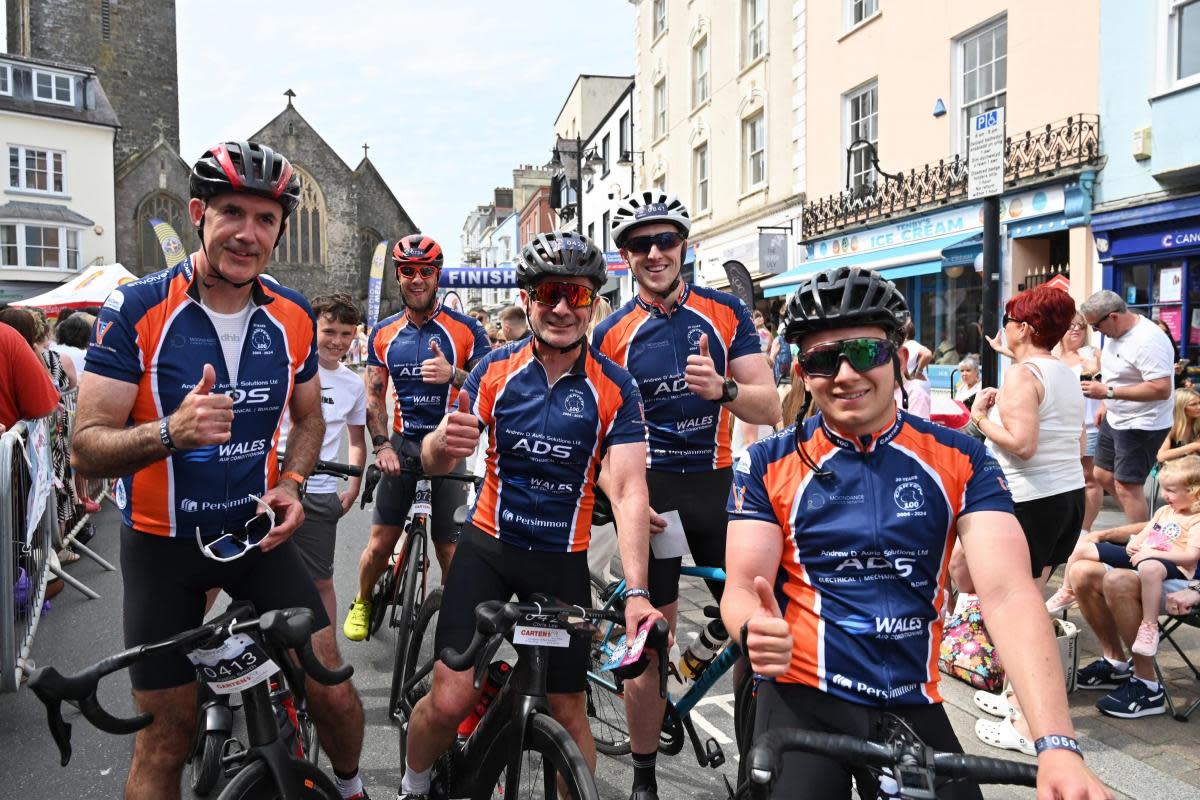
x=234, y=545
x=548, y=293
x=408, y=270
x=642, y=244
x=824, y=360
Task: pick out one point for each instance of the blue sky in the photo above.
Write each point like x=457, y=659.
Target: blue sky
x=450, y=94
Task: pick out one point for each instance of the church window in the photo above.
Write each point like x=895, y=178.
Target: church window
x=164, y=207
x=305, y=240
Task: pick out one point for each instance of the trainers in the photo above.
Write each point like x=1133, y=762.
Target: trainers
x=411, y=796
x=1146, y=643
x=1061, y=601
x=1133, y=699
x=1101, y=674
x=644, y=793
x=358, y=621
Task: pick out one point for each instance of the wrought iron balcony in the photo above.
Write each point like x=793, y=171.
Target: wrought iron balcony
x=1065, y=145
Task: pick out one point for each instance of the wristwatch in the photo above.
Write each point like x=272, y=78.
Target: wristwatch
x=729, y=391
x=378, y=439
x=1111, y=393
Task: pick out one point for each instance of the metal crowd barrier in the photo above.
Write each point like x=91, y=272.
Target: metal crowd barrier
x=24, y=557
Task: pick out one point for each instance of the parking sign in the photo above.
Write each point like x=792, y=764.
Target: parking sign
x=985, y=154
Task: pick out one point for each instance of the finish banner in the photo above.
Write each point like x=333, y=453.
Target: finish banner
x=375, y=284
x=478, y=278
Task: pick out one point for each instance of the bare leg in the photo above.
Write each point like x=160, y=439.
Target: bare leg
x=1151, y=574
x=375, y=556
x=1084, y=551
x=336, y=710
x=328, y=596
x=1104, y=477
x=436, y=716
x=1132, y=497
x=445, y=554
x=1088, y=578
x=160, y=749
x=643, y=705
x=1093, y=494
x=571, y=712
x=1123, y=595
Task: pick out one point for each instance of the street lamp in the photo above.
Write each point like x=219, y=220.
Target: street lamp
x=586, y=164
x=626, y=160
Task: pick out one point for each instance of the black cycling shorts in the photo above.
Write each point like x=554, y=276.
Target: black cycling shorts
x=165, y=580
x=394, y=495
x=792, y=705
x=484, y=568
x=701, y=499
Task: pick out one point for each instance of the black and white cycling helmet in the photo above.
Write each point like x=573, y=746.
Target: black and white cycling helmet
x=842, y=298
x=561, y=254
x=641, y=208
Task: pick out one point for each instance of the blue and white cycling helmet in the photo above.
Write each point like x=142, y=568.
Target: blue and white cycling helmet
x=641, y=208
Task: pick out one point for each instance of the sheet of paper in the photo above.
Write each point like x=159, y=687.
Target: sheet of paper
x=672, y=542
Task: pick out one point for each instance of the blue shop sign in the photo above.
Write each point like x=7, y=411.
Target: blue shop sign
x=1181, y=241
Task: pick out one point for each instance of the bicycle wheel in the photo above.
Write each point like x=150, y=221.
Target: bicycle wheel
x=204, y=769
x=606, y=707
x=308, y=736
x=548, y=755
x=405, y=613
x=381, y=597
x=419, y=654
x=255, y=783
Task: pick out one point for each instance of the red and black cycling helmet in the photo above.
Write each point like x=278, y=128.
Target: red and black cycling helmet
x=418, y=250
x=246, y=167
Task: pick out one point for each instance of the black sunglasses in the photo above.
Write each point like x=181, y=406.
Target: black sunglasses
x=1096, y=325
x=824, y=360
x=642, y=244
x=408, y=270
x=1008, y=319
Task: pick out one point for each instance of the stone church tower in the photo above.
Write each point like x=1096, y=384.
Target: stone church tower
x=132, y=46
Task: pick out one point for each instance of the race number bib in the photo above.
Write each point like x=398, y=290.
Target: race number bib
x=237, y=664
x=423, y=499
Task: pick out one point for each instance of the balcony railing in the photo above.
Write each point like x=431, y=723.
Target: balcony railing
x=1063, y=145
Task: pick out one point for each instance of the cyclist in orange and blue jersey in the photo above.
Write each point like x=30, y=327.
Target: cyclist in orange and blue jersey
x=697, y=360
x=426, y=351
x=553, y=409
x=188, y=374
x=840, y=534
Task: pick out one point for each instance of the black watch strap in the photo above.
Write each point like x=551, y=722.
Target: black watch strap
x=378, y=439
x=164, y=435
x=729, y=391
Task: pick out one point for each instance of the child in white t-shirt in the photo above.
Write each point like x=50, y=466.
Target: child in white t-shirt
x=344, y=406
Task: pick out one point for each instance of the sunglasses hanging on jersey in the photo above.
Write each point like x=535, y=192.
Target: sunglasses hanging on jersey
x=232, y=546
x=823, y=361
x=642, y=244
x=548, y=293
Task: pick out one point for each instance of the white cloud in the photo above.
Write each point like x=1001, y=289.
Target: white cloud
x=451, y=95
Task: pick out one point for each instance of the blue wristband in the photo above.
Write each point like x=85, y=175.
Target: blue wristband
x=628, y=593
x=1056, y=742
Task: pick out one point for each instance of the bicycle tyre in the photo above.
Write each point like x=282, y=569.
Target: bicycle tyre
x=256, y=783
x=204, y=768
x=405, y=615
x=552, y=743
x=422, y=635
x=381, y=598
x=605, y=708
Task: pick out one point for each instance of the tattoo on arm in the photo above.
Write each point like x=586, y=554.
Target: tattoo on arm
x=377, y=424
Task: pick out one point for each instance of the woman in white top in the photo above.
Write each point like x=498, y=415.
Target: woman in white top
x=1084, y=361
x=1033, y=425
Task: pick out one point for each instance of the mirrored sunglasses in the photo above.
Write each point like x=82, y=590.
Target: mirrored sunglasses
x=548, y=293
x=408, y=270
x=233, y=545
x=824, y=360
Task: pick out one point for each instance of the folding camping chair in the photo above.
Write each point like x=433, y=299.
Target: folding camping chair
x=1167, y=626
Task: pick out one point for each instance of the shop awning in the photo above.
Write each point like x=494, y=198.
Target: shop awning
x=963, y=253
x=1040, y=226
x=918, y=258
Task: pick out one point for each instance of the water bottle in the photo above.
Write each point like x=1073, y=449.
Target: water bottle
x=702, y=651
x=494, y=679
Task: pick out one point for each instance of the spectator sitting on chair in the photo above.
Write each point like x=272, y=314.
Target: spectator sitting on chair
x=1120, y=592
x=1184, y=438
x=1138, y=369
x=513, y=325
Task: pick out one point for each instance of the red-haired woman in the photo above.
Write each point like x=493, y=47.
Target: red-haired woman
x=1034, y=425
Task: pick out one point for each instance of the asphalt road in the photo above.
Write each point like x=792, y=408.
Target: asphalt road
x=77, y=631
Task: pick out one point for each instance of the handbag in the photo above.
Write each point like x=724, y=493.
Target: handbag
x=967, y=652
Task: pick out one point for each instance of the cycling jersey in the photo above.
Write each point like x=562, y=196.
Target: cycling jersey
x=545, y=443
x=686, y=432
x=154, y=333
x=400, y=346
x=866, y=549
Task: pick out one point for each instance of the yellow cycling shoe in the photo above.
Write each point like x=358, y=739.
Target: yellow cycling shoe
x=358, y=621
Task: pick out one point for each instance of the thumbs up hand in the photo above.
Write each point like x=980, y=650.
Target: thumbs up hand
x=436, y=368
x=701, y=373
x=460, y=433
x=768, y=640
x=203, y=418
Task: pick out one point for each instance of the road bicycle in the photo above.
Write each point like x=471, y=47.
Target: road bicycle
x=236, y=652
x=606, y=692
x=518, y=749
x=403, y=586
x=904, y=766
x=215, y=721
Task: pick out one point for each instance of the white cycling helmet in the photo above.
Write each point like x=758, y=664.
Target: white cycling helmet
x=645, y=207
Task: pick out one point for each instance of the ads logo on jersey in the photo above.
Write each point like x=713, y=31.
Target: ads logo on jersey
x=260, y=340
x=574, y=404
x=909, y=496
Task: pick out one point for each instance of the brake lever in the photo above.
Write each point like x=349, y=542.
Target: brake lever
x=485, y=658
x=369, y=483
x=60, y=729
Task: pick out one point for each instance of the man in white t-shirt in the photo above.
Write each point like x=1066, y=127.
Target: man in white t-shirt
x=1137, y=371
x=344, y=406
